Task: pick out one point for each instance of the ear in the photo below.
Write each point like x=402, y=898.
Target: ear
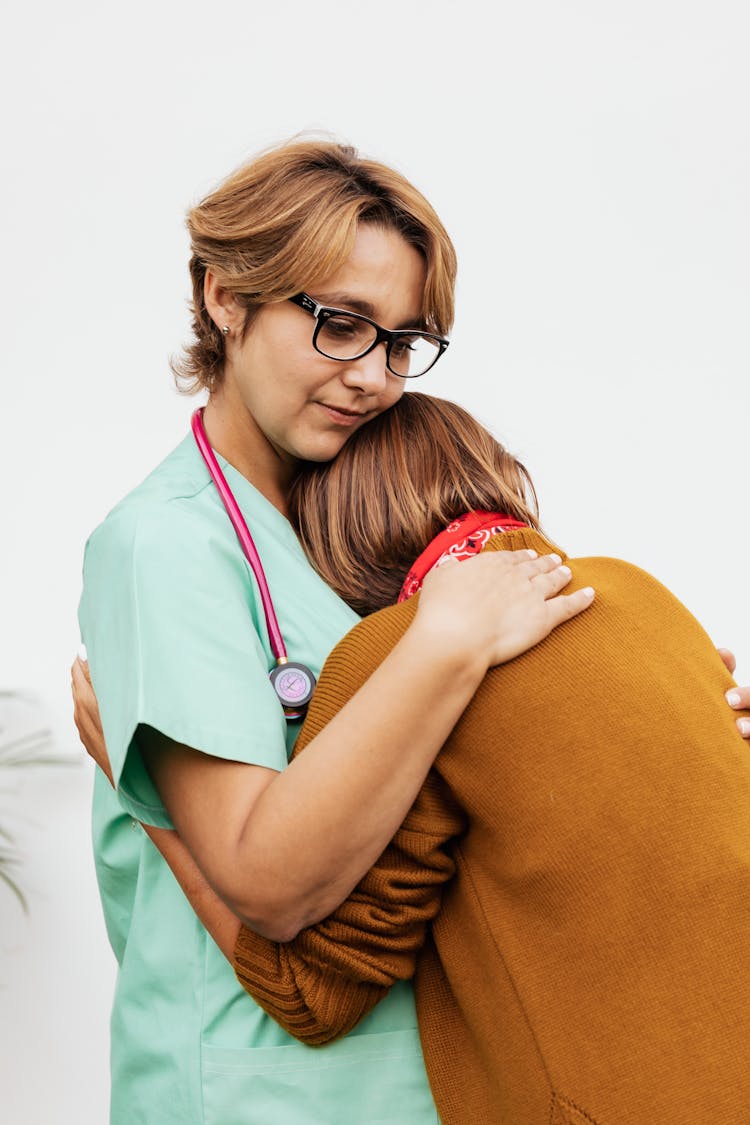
x=222, y=305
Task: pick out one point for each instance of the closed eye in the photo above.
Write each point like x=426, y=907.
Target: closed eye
x=343, y=326
x=403, y=344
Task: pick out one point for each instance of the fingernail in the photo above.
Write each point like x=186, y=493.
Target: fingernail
x=588, y=591
x=82, y=654
x=556, y=558
x=532, y=554
x=744, y=725
x=565, y=570
x=733, y=698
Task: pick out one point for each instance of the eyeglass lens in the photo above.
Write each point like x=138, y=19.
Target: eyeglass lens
x=345, y=337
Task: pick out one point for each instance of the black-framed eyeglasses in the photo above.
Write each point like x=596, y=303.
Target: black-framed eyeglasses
x=346, y=336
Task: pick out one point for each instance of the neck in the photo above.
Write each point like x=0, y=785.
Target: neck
x=233, y=432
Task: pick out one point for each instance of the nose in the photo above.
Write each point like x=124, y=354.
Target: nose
x=367, y=374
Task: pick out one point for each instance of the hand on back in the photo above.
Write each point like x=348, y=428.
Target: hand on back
x=498, y=604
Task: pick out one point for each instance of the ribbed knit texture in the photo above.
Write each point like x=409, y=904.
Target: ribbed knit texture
x=590, y=963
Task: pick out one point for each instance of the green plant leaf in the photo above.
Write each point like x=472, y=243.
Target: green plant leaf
x=24, y=743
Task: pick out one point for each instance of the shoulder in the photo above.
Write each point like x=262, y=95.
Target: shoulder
x=170, y=513
x=523, y=538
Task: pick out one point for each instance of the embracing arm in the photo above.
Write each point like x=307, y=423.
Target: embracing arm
x=321, y=984
x=284, y=849
x=216, y=916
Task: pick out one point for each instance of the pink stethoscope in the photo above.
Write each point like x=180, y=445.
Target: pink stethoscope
x=293, y=683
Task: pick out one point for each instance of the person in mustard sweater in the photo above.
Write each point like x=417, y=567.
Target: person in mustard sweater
x=572, y=885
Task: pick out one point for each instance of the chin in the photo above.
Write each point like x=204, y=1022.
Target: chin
x=325, y=448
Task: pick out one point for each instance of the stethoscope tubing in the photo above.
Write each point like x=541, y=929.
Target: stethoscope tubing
x=243, y=534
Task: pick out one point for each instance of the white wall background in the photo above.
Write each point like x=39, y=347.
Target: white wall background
x=592, y=163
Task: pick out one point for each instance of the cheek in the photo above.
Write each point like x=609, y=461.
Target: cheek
x=278, y=356
x=393, y=393
x=305, y=374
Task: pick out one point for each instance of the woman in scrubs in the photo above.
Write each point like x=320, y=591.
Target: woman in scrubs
x=180, y=654
x=603, y=869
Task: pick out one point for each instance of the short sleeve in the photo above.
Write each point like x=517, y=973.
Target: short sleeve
x=169, y=619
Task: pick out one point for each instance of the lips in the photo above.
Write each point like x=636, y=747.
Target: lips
x=342, y=415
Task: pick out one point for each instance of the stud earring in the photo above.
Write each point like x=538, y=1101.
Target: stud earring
x=225, y=329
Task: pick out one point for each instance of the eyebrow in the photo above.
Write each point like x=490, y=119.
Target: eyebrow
x=346, y=301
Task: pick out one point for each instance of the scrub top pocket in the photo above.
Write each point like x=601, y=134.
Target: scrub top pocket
x=362, y=1080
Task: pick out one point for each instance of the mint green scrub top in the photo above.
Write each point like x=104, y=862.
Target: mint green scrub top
x=176, y=638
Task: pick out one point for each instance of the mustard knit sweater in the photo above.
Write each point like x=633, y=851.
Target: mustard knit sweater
x=590, y=961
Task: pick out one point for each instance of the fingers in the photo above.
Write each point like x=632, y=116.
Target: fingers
x=85, y=707
x=76, y=681
x=566, y=606
x=554, y=579
x=739, y=699
x=80, y=679
x=537, y=568
x=534, y=564
x=83, y=660
x=728, y=658
x=551, y=580
x=78, y=674
x=548, y=576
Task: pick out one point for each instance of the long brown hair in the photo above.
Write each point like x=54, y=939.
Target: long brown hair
x=364, y=517
x=288, y=219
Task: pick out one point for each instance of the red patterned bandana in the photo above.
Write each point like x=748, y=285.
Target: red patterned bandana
x=461, y=539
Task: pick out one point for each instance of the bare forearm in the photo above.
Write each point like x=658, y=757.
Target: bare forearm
x=215, y=915
x=286, y=854
x=322, y=983
x=365, y=777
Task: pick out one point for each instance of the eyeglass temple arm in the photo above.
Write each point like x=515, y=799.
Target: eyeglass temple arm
x=306, y=303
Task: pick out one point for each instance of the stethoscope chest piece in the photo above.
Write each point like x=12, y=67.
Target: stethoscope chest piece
x=294, y=684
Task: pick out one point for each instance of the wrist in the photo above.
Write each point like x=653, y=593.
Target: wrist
x=451, y=652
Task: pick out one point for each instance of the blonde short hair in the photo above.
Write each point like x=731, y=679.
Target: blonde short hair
x=288, y=219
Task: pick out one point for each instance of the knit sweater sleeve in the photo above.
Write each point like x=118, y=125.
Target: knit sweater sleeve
x=321, y=984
